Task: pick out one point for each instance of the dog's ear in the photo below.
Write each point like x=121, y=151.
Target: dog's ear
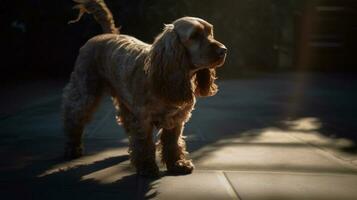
x=205, y=85
x=168, y=68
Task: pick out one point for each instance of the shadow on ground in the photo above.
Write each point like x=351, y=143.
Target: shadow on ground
x=73, y=183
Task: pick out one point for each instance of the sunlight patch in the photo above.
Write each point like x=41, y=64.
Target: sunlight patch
x=304, y=124
x=107, y=175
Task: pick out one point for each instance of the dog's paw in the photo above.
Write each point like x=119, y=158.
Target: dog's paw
x=148, y=171
x=73, y=152
x=181, y=167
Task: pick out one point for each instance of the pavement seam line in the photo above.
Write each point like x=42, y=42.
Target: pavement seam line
x=277, y=172
x=327, y=151
x=345, y=163
x=228, y=185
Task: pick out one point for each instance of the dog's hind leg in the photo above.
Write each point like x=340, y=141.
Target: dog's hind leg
x=81, y=96
x=141, y=144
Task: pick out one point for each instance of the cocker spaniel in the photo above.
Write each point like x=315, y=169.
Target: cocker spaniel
x=152, y=86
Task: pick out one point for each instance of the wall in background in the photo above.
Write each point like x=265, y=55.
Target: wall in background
x=260, y=34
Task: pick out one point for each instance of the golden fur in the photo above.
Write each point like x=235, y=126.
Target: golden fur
x=152, y=86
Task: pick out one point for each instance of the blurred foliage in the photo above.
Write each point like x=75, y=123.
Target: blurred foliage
x=39, y=42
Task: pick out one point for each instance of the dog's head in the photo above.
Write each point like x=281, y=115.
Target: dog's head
x=185, y=53
x=197, y=36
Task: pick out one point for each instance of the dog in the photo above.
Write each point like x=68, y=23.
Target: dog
x=153, y=86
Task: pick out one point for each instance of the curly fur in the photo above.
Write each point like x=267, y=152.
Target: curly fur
x=167, y=67
x=205, y=83
x=152, y=86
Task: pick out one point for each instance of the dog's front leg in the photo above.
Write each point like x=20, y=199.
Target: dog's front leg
x=173, y=151
x=142, y=149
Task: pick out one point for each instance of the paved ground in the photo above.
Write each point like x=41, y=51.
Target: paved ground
x=274, y=137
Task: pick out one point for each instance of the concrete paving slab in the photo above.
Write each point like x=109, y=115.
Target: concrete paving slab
x=107, y=128
x=267, y=150
x=199, y=185
x=291, y=186
x=111, y=154
x=333, y=146
x=40, y=120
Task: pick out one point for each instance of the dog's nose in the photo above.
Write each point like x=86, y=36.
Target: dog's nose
x=222, y=51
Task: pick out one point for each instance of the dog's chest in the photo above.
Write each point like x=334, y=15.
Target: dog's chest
x=170, y=116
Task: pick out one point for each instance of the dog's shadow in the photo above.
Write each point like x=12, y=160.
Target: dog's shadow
x=105, y=179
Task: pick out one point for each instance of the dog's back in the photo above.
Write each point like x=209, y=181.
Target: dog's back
x=109, y=50
x=112, y=50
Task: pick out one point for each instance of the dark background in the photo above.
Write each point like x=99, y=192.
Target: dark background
x=261, y=35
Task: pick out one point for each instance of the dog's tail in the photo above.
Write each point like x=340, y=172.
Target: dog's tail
x=100, y=11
